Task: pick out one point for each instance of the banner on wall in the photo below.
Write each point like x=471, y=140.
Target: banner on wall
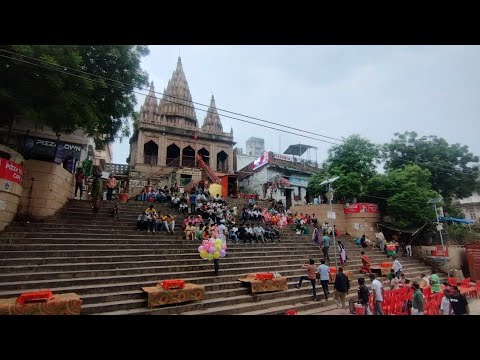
x=361, y=207
x=295, y=181
x=262, y=160
x=283, y=157
x=11, y=171
x=440, y=251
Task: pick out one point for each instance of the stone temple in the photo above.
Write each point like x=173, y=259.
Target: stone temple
x=166, y=144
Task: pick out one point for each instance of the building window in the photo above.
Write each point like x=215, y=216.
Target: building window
x=205, y=155
x=188, y=157
x=222, y=162
x=150, y=150
x=173, y=155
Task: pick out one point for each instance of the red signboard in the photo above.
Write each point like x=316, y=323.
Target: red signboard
x=262, y=160
x=440, y=251
x=11, y=171
x=473, y=259
x=361, y=207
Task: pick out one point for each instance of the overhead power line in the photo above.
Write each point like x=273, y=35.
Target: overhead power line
x=175, y=97
x=171, y=101
x=415, y=159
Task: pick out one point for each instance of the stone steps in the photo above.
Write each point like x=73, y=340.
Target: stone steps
x=193, y=261
x=108, y=262
x=201, y=266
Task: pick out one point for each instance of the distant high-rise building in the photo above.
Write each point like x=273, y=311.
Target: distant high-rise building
x=255, y=146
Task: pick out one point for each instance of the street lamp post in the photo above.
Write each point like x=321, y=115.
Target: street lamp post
x=330, y=191
x=434, y=202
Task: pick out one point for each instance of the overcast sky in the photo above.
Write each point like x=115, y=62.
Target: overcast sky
x=336, y=91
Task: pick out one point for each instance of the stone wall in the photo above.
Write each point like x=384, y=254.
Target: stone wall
x=345, y=223
x=457, y=258
x=46, y=188
x=9, y=196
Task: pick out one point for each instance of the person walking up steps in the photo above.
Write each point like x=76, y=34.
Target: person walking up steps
x=325, y=245
x=325, y=277
x=79, y=177
x=311, y=275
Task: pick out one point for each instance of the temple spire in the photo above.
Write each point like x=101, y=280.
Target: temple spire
x=177, y=100
x=150, y=100
x=212, y=120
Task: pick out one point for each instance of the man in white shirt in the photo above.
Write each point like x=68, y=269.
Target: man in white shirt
x=258, y=231
x=222, y=231
x=324, y=272
x=445, y=304
x=250, y=232
x=397, y=267
x=378, y=294
x=381, y=241
x=233, y=234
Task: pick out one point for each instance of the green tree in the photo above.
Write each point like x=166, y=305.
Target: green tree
x=314, y=181
x=452, y=168
x=403, y=194
x=354, y=162
x=60, y=87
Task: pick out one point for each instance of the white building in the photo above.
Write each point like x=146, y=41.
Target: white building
x=277, y=176
x=470, y=206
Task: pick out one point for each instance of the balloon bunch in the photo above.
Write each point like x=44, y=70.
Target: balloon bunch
x=212, y=249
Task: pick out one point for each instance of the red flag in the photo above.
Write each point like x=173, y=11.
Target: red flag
x=195, y=136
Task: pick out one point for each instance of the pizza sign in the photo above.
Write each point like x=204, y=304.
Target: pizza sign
x=11, y=171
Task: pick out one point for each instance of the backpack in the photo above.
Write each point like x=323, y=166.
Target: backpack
x=365, y=294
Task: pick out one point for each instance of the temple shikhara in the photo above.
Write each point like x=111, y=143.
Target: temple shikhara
x=168, y=141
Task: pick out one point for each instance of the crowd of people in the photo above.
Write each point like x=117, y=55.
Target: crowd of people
x=211, y=217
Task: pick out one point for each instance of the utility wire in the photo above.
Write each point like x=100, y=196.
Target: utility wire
x=416, y=160
x=140, y=93
x=158, y=92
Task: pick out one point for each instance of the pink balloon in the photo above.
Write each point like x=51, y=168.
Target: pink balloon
x=212, y=239
x=201, y=248
x=224, y=246
x=206, y=247
x=223, y=253
x=212, y=242
x=204, y=242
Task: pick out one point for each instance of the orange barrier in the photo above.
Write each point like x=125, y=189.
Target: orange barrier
x=172, y=284
x=264, y=276
x=35, y=296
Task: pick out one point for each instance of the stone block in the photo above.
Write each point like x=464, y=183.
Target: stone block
x=53, y=204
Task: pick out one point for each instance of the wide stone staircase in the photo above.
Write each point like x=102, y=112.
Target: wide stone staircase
x=108, y=261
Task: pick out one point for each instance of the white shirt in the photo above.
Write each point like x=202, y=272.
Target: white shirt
x=324, y=271
x=377, y=290
x=397, y=266
x=445, y=306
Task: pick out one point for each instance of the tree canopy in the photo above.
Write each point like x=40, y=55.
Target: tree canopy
x=87, y=87
x=403, y=194
x=452, y=168
x=354, y=162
